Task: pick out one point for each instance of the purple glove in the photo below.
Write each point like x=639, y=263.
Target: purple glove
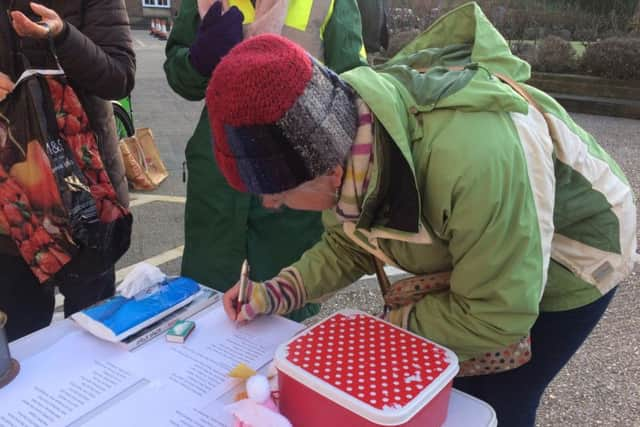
x=217, y=34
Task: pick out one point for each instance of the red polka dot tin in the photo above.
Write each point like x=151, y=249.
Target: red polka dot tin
x=353, y=369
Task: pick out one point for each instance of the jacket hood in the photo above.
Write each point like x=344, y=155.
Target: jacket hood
x=420, y=78
x=453, y=64
x=467, y=26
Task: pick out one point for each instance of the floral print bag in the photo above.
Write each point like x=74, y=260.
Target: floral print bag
x=57, y=202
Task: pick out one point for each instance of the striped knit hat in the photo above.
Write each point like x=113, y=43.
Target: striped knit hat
x=279, y=118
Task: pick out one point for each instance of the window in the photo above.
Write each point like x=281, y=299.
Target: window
x=156, y=3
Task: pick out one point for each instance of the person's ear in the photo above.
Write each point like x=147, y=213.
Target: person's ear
x=336, y=176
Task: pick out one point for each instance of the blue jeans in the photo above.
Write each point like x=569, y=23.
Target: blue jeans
x=555, y=337
x=29, y=305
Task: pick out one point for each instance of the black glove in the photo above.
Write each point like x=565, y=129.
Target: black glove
x=217, y=34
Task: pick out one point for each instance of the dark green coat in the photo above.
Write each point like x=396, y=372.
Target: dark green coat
x=223, y=226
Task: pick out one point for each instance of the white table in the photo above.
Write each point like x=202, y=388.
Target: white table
x=464, y=410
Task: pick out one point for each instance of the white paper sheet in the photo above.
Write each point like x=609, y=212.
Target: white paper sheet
x=161, y=384
x=200, y=365
x=162, y=404
x=61, y=384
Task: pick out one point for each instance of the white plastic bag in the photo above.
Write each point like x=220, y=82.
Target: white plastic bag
x=143, y=277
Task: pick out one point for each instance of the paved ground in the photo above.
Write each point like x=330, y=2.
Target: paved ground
x=600, y=387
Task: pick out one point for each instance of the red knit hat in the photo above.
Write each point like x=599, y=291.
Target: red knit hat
x=279, y=118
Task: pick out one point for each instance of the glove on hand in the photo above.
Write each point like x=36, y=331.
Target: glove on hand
x=275, y=296
x=217, y=34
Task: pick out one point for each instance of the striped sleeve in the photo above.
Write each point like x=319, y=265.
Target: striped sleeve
x=280, y=295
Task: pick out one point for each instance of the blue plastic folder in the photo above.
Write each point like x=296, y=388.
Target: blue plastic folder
x=118, y=317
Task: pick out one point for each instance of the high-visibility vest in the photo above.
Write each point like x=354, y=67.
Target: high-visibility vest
x=304, y=23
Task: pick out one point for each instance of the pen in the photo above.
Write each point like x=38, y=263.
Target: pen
x=244, y=282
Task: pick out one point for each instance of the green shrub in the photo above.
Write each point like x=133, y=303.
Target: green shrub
x=554, y=55
x=614, y=58
x=525, y=50
x=400, y=40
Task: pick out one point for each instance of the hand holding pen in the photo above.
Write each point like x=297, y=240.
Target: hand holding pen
x=248, y=299
x=238, y=296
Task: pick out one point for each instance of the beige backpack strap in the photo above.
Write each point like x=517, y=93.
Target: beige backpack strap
x=383, y=279
x=451, y=68
x=519, y=90
x=383, y=282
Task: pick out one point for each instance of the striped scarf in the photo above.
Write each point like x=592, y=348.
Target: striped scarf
x=358, y=170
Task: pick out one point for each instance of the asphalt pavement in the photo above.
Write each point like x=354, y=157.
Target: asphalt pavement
x=599, y=387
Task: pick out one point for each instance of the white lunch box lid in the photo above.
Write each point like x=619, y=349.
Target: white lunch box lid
x=386, y=385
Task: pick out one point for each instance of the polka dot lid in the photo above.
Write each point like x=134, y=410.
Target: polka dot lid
x=366, y=364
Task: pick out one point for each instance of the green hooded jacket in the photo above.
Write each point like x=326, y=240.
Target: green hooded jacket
x=222, y=226
x=526, y=211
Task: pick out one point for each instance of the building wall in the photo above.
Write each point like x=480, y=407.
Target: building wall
x=139, y=15
x=134, y=8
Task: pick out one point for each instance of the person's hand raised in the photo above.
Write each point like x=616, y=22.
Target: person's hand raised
x=50, y=23
x=205, y=5
x=218, y=32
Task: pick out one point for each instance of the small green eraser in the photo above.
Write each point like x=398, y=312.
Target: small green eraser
x=180, y=331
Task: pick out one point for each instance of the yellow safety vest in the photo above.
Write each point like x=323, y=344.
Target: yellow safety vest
x=304, y=23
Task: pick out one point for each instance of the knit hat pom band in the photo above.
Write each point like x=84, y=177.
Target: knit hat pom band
x=278, y=116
